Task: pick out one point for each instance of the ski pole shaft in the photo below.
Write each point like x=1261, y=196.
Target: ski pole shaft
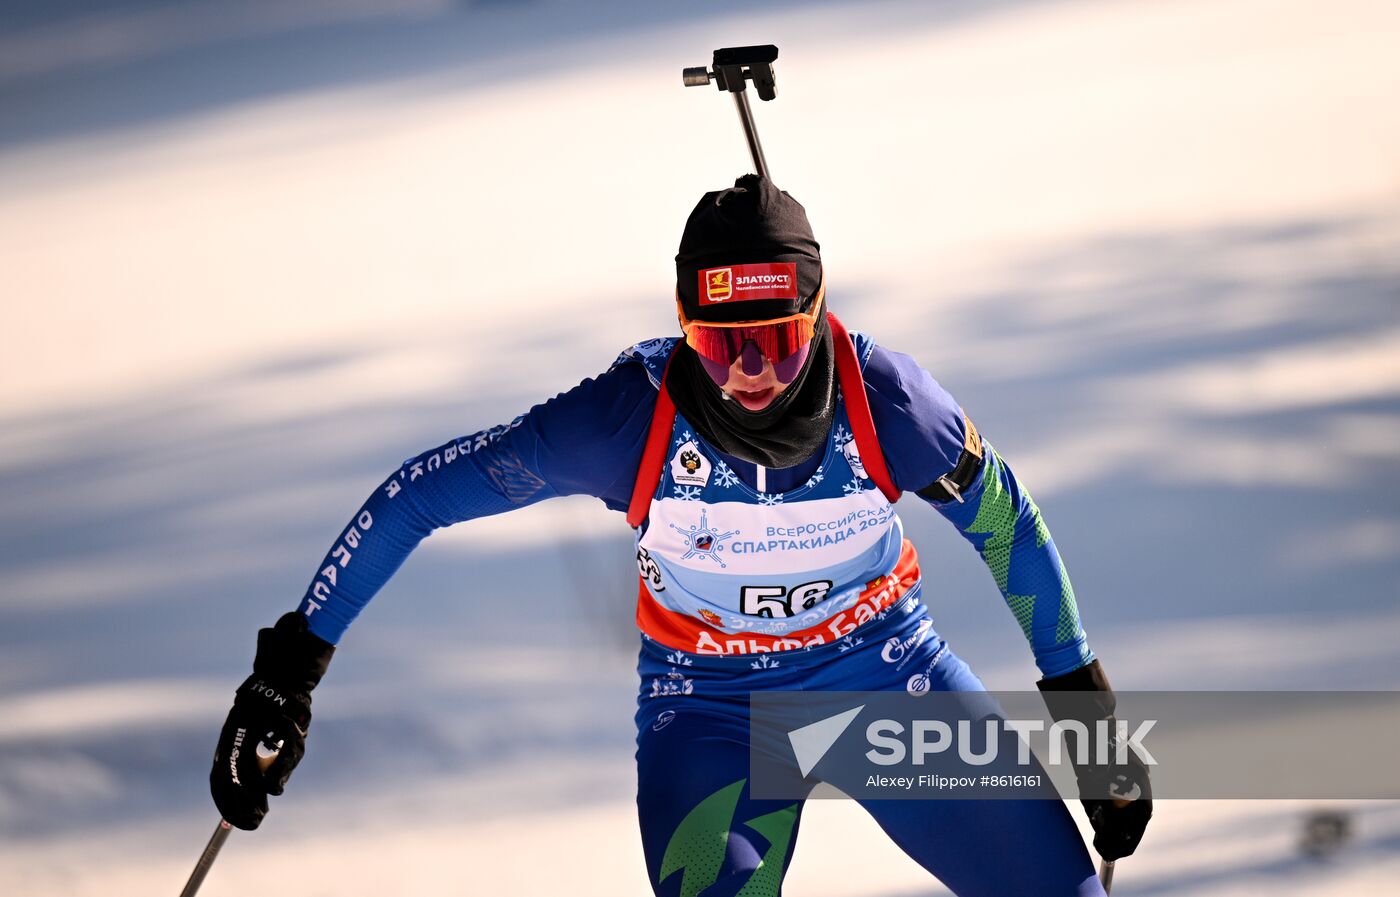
x=267, y=751
x=1106, y=875
x=206, y=859
x=741, y=102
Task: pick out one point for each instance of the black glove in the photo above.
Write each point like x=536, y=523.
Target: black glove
x=1116, y=796
x=271, y=711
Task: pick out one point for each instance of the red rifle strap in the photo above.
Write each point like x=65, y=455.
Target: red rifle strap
x=852, y=382
x=663, y=418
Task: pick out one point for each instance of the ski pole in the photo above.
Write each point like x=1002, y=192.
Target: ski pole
x=732, y=68
x=266, y=753
x=206, y=859
x=1106, y=875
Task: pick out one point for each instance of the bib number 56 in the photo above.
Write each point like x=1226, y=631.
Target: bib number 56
x=777, y=601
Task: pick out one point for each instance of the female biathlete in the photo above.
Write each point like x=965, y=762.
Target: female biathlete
x=757, y=456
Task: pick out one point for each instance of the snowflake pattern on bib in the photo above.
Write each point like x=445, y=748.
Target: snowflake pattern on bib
x=786, y=569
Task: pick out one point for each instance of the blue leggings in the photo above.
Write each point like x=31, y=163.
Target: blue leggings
x=704, y=836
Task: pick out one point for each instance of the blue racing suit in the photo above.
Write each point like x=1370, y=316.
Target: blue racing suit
x=752, y=579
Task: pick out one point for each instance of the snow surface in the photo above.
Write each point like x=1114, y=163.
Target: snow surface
x=254, y=255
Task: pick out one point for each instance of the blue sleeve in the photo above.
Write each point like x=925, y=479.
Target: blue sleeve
x=922, y=433
x=587, y=441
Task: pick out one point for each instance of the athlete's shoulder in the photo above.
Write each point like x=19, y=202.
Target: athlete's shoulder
x=864, y=344
x=920, y=424
x=604, y=404
x=589, y=439
x=651, y=355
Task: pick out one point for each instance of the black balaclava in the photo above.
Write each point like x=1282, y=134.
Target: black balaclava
x=754, y=222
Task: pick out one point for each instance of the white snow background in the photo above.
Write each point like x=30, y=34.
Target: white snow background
x=254, y=255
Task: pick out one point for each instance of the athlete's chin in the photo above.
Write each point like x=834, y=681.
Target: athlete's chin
x=755, y=400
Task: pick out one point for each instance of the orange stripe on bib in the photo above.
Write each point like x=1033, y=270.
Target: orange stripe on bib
x=694, y=635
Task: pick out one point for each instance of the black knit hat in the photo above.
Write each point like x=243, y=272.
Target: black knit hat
x=751, y=223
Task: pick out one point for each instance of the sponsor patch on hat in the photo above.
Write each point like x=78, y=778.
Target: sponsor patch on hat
x=739, y=283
